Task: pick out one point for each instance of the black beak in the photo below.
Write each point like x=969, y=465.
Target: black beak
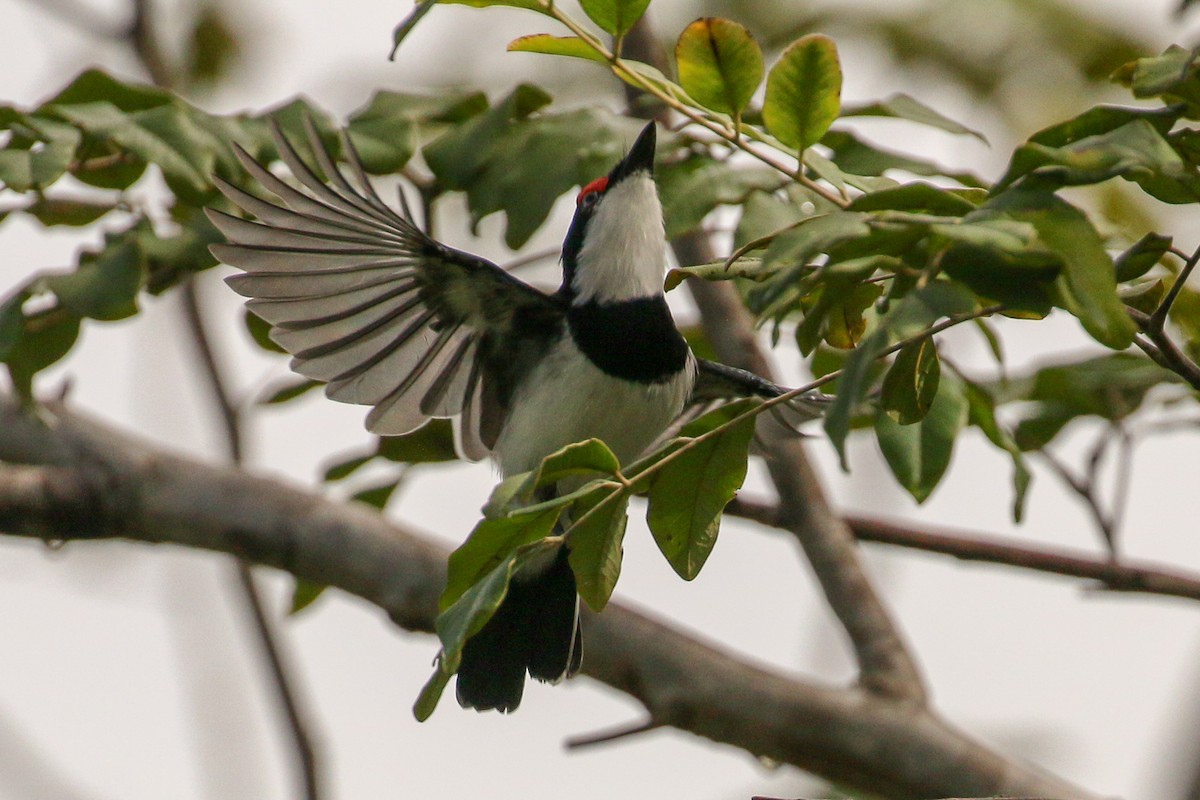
x=640, y=157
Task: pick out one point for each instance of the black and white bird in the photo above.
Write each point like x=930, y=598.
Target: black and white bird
x=390, y=318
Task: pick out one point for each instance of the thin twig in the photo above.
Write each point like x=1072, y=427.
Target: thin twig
x=1169, y=354
x=1085, y=489
x=604, y=737
x=1158, y=319
x=1117, y=576
x=302, y=740
x=626, y=73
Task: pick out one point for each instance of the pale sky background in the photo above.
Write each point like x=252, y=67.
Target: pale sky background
x=129, y=671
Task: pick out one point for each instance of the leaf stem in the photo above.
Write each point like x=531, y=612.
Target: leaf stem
x=652, y=463
x=629, y=75
x=1156, y=322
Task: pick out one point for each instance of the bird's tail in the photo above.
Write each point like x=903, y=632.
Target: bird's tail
x=535, y=631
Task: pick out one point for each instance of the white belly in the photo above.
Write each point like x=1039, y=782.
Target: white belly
x=566, y=399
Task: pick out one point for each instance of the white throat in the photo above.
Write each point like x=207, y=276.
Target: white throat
x=623, y=253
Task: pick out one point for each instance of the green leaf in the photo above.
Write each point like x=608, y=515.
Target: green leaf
x=687, y=495
x=460, y=153
x=45, y=338
x=12, y=322
x=1103, y=119
x=916, y=196
x=797, y=245
x=595, y=545
x=213, y=45
x=571, y=46
x=164, y=135
x=750, y=268
x=1141, y=257
x=913, y=314
x=1171, y=76
x=1136, y=151
x=377, y=496
x=982, y=414
x=587, y=458
x=901, y=106
x=1087, y=285
x=260, y=331
x=692, y=188
x=804, y=92
x=490, y=543
x=912, y=382
x=38, y=152
x=431, y=693
x=471, y=610
x=918, y=454
x=289, y=391
x=96, y=85
x=346, y=467
x=557, y=152
x=720, y=64
x=1111, y=386
x=844, y=323
x=304, y=594
x=469, y=614
x=615, y=17
x=387, y=131
x=841, y=298
x=60, y=211
x=105, y=286
x=856, y=156
x=431, y=443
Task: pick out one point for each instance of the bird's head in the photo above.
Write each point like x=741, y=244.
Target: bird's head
x=614, y=249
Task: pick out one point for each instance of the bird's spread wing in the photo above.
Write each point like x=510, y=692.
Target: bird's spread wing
x=368, y=303
x=717, y=383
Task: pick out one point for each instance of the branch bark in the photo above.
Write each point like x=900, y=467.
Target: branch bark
x=63, y=477
x=885, y=663
x=1111, y=575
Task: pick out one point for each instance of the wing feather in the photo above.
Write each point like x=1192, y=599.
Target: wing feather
x=365, y=301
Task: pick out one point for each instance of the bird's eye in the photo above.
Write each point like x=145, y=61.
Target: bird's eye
x=591, y=193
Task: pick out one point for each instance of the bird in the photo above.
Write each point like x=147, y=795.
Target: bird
x=391, y=318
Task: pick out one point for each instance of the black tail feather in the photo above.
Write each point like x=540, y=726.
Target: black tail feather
x=535, y=630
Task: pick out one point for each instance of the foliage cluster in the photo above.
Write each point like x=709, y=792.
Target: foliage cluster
x=861, y=253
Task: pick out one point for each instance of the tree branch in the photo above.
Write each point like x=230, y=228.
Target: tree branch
x=64, y=477
x=1164, y=351
x=886, y=666
x=1116, y=576
x=281, y=680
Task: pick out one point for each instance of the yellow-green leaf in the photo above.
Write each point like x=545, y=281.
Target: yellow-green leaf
x=571, y=46
x=720, y=64
x=911, y=384
x=804, y=92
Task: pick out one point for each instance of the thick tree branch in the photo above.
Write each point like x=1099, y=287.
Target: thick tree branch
x=885, y=663
x=65, y=478
x=1117, y=576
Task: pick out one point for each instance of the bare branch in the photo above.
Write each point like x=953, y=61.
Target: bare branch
x=1164, y=352
x=297, y=725
x=607, y=737
x=1117, y=576
x=107, y=484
